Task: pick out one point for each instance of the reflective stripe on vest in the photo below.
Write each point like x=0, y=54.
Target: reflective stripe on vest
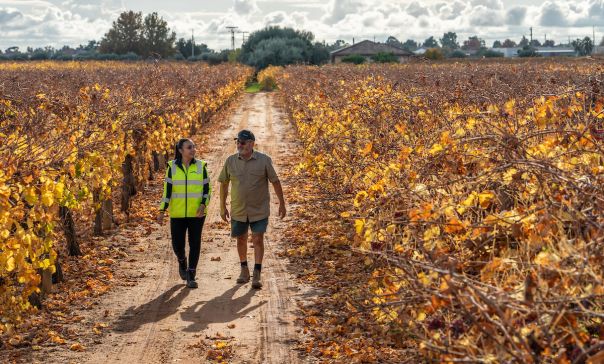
x=187, y=189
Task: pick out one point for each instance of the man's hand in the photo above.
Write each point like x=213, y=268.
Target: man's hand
x=224, y=214
x=282, y=210
x=201, y=211
x=160, y=217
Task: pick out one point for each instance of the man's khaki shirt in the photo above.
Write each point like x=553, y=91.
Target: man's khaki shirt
x=250, y=199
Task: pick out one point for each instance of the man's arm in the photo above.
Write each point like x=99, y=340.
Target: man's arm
x=224, y=192
x=279, y=192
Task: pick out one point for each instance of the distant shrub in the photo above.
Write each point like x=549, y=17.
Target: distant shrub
x=458, y=54
x=354, y=58
x=434, y=53
x=492, y=54
x=267, y=78
x=383, y=57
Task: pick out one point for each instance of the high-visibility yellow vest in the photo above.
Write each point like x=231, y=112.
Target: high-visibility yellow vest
x=185, y=189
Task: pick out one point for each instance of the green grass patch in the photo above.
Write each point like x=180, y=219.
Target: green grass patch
x=252, y=87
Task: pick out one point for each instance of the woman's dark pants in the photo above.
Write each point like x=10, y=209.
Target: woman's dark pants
x=178, y=229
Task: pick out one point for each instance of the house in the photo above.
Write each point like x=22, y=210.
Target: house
x=420, y=51
x=512, y=52
x=556, y=52
x=368, y=49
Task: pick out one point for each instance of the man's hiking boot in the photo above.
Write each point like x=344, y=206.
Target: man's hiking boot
x=256, y=280
x=182, y=269
x=191, y=279
x=244, y=276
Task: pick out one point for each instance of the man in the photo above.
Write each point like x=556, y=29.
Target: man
x=249, y=172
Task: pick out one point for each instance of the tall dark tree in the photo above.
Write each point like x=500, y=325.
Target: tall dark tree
x=549, y=43
x=336, y=45
x=473, y=43
x=497, y=44
x=449, y=40
x=278, y=46
x=157, y=37
x=430, y=42
x=392, y=41
x=535, y=43
x=185, y=48
x=410, y=45
x=523, y=42
x=583, y=46
x=125, y=34
x=130, y=33
x=508, y=43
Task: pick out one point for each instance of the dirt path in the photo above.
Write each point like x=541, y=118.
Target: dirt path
x=158, y=320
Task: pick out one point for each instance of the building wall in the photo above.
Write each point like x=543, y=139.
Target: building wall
x=338, y=59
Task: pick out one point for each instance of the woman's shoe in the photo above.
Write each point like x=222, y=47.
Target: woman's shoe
x=191, y=279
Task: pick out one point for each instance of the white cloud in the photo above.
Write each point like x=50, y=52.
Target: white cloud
x=552, y=15
x=245, y=7
x=416, y=9
x=337, y=10
x=515, y=15
x=58, y=22
x=486, y=17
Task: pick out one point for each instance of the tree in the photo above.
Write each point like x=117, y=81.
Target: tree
x=157, y=37
x=583, y=46
x=497, y=44
x=449, y=40
x=91, y=46
x=320, y=54
x=336, y=45
x=410, y=45
x=527, y=51
x=184, y=47
x=508, y=43
x=535, y=43
x=278, y=46
x=131, y=34
x=124, y=35
x=430, y=42
x=523, y=42
x=392, y=41
x=549, y=43
x=473, y=43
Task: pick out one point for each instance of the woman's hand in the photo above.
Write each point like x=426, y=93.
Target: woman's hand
x=201, y=211
x=160, y=217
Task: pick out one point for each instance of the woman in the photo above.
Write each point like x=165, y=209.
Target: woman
x=186, y=196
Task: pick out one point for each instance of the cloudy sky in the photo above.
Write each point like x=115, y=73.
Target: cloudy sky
x=72, y=22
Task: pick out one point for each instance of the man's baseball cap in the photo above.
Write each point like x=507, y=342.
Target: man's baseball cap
x=245, y=135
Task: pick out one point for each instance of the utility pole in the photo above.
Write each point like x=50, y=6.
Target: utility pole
x=192, y=44
x=232, y=30
x=531, y=42
x=243, y=37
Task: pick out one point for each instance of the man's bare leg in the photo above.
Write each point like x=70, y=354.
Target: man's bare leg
x=258, y=241
x=244, y=276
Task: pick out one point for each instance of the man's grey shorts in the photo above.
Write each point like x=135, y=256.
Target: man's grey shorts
x=239, y=228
